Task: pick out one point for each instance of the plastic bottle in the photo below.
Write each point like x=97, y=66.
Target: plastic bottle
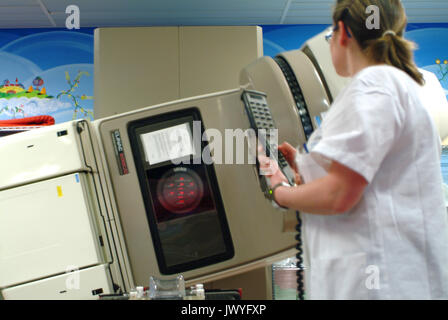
x=197, y=292
x=191, y=293
x=140, y=293
x=200, y=292
x=133, y=294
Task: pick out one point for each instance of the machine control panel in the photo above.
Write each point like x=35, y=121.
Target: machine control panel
x=261, y=120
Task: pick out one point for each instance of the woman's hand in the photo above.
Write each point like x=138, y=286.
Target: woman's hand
x=289, y=152
x=270, y=168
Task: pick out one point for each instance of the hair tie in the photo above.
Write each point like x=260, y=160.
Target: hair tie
x=391, y=32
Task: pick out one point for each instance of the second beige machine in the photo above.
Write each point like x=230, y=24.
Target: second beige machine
x=205, y=219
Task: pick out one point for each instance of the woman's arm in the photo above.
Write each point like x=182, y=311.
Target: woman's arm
x=336, y=193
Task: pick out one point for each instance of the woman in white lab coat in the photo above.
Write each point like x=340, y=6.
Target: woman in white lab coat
x=374, y=221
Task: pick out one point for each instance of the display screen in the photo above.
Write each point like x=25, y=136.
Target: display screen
x=183, y=203
x=168, y=144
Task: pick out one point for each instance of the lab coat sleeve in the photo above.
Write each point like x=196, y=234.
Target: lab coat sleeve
x=360, y=132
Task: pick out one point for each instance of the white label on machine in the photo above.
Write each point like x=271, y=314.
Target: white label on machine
x=168, y=144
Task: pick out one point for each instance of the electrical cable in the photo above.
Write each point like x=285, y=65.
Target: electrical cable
x=299, y=257
x=307, y=127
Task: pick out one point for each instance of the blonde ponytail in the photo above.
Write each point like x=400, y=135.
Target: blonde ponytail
x=395, y=51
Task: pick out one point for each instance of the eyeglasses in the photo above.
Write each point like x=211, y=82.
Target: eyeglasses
x=331, y=32
x=344, y=14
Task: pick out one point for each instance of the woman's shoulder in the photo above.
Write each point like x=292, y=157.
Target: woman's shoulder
x=381, y=75
x=383, y=78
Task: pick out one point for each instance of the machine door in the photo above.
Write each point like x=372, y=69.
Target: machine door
x=85, y=284
x=183, y=205
x=46, y=228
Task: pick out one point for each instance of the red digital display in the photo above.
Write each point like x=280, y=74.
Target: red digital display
x=180, y=191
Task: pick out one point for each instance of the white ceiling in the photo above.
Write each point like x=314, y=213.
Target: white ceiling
x=107, y=13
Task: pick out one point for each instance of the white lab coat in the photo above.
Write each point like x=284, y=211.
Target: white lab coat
x=394, y=243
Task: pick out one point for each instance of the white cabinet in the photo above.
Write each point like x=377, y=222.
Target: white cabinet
x=46, y=228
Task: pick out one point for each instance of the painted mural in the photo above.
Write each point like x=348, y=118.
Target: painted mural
x=46, y=72
x=432, y=51
x=50, y=71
